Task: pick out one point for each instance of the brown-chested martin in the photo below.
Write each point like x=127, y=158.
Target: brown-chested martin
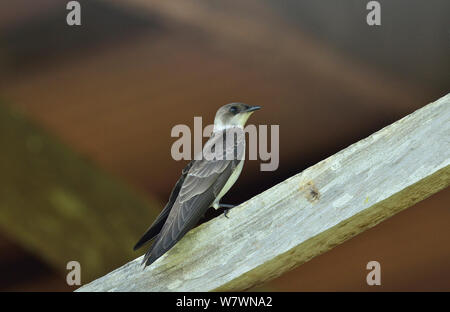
x=203, y=182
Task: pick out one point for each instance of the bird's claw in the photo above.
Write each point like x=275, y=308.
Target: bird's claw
x=227, y=209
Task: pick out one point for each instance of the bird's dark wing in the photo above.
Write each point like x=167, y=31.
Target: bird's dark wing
x=203, y=183
x=157, y=225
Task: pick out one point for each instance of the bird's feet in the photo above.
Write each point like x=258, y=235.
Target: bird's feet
x=227, y=208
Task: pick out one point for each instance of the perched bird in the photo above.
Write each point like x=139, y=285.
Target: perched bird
x=203, y=182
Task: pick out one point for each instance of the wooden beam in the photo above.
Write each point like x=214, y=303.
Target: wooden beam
x=60, y=206
x=305, y=215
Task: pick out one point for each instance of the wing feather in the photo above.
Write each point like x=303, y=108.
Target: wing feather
x=157, y=225
x=203, y=182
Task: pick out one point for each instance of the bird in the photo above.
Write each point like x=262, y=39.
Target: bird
x=203, y=182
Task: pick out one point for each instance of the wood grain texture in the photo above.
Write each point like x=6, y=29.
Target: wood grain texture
x=305, y=215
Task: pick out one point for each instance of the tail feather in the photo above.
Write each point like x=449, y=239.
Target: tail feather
x=147, y=261
x=156, y=227
x=149, y=234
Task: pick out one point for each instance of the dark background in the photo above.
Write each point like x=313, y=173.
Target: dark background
x=113, y=88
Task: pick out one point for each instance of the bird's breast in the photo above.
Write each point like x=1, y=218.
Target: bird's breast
x=231, y=180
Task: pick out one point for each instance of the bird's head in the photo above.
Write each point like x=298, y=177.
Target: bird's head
x=233, y=115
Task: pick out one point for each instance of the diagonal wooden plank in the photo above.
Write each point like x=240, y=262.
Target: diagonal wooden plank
x=307, y=214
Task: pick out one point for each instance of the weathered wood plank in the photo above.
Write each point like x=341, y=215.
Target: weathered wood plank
x=60, y=206
x=305, y=215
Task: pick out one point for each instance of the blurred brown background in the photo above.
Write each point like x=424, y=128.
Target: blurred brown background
x=113, y=88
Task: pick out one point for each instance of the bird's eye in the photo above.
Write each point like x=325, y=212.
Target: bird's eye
x=234, y=109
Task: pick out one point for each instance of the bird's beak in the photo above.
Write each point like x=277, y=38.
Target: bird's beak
x=252, y=109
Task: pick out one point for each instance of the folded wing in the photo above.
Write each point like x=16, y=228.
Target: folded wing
x=203, y=182
x=157, y=225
